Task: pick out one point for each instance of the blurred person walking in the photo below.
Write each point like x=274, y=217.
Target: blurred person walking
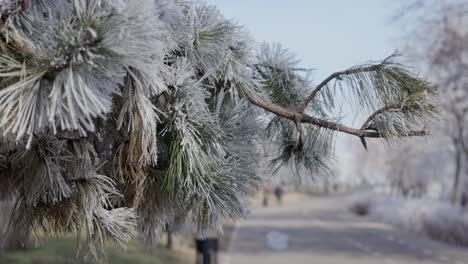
x=279, y=192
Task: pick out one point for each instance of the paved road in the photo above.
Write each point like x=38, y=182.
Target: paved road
x=322, y=231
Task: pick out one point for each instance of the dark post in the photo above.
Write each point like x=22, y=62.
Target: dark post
x=169, y=236
x=168, y=229
x=207, y=251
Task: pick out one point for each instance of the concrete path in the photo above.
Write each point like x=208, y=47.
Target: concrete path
x=322, y=231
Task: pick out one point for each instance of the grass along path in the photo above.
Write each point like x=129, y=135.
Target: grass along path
x=63, y=251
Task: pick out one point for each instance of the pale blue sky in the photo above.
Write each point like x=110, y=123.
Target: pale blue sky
x=328, y=35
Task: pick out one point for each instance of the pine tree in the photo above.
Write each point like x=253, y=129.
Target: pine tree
x=124, y=115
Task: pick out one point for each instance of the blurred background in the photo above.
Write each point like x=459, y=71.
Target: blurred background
x=397, y=203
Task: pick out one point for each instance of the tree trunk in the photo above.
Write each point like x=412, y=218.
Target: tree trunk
x=11, y=237
x=456, y=182
x=169, y=239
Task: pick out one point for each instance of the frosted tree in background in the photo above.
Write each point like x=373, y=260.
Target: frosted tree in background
x=439, y=40
x=450, y=66
x=123, y=115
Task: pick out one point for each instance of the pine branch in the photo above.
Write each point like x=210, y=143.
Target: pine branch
x=319, y=87
x=87, y=81
x=373, y=84
x=293, y=116
x=337, y=76
x=378, y=112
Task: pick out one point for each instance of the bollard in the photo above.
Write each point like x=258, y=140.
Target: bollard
x=207, y=251
x=168, y=229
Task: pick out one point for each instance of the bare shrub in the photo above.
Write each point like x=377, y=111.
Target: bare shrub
x=450, y=228
x=360, y=208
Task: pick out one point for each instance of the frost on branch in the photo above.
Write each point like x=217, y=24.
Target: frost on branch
x=129, y=114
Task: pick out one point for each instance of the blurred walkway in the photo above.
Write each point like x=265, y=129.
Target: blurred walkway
x=322, y=231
